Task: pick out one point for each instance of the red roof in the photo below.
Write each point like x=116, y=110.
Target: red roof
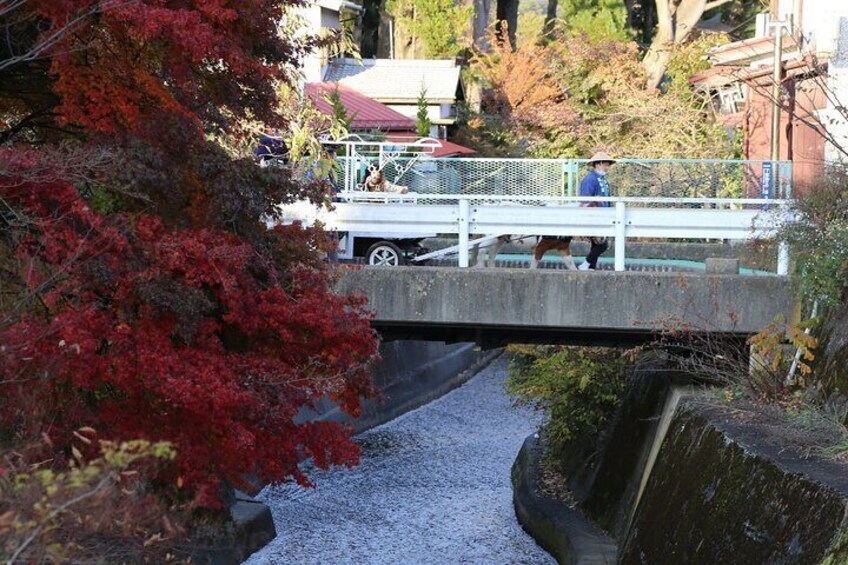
x=448, y=148
x=367, y=113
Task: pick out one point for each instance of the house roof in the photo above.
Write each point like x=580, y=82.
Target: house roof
x=716, y=77
x=747, y=51
x=399, y=80
x=448, y=148
x=337, y=5
x=366, y=113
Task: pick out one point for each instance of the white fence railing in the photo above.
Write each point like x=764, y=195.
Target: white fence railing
x=467, y=215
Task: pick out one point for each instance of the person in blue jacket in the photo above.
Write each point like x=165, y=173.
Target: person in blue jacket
x=595, y=184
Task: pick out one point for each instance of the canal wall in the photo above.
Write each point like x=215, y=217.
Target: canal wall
x=681, y=477
x=721, y=491
x=409, y=374
x=760, y=256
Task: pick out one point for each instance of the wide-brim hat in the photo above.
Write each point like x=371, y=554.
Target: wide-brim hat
x=600, y=157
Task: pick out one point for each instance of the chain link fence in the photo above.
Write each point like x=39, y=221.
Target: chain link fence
x=556, y=178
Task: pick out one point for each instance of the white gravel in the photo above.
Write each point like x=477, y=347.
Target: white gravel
x=433, y=487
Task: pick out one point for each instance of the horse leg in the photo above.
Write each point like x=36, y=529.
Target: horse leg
x=542, y=247
x=495, y=248
x=565, y=253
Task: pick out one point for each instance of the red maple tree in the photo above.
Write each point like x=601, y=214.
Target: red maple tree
x=149, y=299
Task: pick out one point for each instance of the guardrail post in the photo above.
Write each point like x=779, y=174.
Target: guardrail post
x=620, y=227
x=783, y=258
x=570, y=165
x=463, y=232
x=565, y=181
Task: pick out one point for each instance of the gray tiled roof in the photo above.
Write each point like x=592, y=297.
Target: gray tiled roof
x=397, y=79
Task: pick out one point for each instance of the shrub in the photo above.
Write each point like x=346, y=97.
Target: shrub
x=85, y=510
x=818, y=238
x=577, y=388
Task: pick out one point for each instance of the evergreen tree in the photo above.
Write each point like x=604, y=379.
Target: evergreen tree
x=441, y=26
x=339, y=111
x=422, y=120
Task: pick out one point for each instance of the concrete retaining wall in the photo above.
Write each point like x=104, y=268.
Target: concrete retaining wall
x=680, y=478
x=561, y=530
x=410, y=374
x=717, y=494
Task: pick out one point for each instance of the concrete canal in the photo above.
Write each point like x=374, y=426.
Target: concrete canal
x=433, y=487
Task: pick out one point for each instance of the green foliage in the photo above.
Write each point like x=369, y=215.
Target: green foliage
x=422, y=119
x=598, y=20
x=439, y=24
x=818, y=238
x=86, y=510
x=530, y=27
x=578, y=388
x=339, y=111
x=689, y=59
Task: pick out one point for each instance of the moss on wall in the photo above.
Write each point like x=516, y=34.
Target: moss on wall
x=718, y=495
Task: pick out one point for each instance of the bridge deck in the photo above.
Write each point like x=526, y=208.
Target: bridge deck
x=514, y=305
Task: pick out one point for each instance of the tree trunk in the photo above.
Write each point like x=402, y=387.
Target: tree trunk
x=507, y=13
x=482, y=9
x=550, y=16
x=658, y=55
x=676, y=22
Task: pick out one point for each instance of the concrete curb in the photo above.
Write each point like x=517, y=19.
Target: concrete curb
x=254, y=524
x=250, y=527
x=562, y=531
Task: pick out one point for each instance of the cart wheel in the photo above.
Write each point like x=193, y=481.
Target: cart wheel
x=384, y=253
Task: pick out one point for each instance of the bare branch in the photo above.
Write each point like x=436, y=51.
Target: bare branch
x=43, y=46
x=715, y=4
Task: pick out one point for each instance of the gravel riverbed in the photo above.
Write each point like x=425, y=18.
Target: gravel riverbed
x=433, y=487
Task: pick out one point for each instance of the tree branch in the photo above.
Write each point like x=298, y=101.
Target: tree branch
x=715, y=4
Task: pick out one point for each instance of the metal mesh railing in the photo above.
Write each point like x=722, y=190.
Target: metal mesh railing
x=540, y=178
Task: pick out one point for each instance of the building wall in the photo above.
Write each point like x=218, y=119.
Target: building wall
x=838, y=85
x=315, y=19
x=801, y=138
x=818, y=20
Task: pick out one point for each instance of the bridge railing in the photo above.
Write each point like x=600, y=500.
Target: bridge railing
x=546, y=178
x=626, y=217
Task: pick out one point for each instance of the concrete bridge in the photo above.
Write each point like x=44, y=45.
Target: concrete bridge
x=499, y=306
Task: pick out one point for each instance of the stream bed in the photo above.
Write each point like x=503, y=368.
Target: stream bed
x=433, y=487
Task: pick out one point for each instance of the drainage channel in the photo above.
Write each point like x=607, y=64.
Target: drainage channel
x=433, y=487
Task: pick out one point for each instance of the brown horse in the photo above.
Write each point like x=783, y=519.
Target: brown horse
x=543, y=245
x=549, y=243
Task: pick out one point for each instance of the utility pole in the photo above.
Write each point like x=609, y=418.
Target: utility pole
x=777, y=76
